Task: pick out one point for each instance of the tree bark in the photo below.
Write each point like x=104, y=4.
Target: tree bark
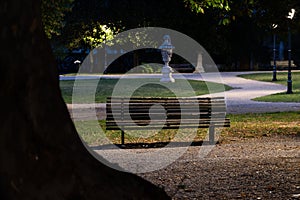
x=41, y=154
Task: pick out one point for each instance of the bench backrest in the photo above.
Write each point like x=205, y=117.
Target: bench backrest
x=165, y=113
x=283, y=63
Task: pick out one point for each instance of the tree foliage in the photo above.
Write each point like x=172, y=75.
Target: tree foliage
x=100, y=34
x=200, y=5
x=232, y=29
x=220, y=8
x=53, y=13
x=128, y=14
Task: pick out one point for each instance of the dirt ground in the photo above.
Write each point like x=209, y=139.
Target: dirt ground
x=257, y=168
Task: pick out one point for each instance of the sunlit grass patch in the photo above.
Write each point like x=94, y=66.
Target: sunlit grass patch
x=265, y=124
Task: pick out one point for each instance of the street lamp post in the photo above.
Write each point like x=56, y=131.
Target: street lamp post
x=274, y=26
x=289, y=81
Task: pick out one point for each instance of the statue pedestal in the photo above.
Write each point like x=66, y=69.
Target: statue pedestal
x=167, y=74
x=199, y=65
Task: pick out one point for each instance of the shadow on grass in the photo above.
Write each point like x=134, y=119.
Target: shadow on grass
x=151, y=145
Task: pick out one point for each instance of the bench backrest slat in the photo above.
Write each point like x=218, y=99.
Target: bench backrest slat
x=133, y=113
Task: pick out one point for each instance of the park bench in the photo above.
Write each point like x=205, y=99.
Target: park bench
x=183, y=68
x=124, y=113
x=283, y=63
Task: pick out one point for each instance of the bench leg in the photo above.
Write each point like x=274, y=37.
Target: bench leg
x=211, y=133
x=122, y=137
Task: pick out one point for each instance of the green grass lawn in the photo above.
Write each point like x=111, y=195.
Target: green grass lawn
x=242, y=126
x=90, y=91
x=281, y=79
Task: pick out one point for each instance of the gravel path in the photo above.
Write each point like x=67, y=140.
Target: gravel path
x=261, y=168
x=256, y=168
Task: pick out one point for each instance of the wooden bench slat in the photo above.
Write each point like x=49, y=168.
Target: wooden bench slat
x=168, y=127
x=176, y=119
x=158, y=117
x=166, y=98
x=187, y=107
x=170, y=111
x=169, y=108
x=160, y=124
x=175, y=112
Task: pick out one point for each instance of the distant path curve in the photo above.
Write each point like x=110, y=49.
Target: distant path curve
x=238, y=100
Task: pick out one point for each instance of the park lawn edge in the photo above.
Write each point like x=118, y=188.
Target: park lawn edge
x=281, y=79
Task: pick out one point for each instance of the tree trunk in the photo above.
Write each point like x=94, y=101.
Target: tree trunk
x=41, y=154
